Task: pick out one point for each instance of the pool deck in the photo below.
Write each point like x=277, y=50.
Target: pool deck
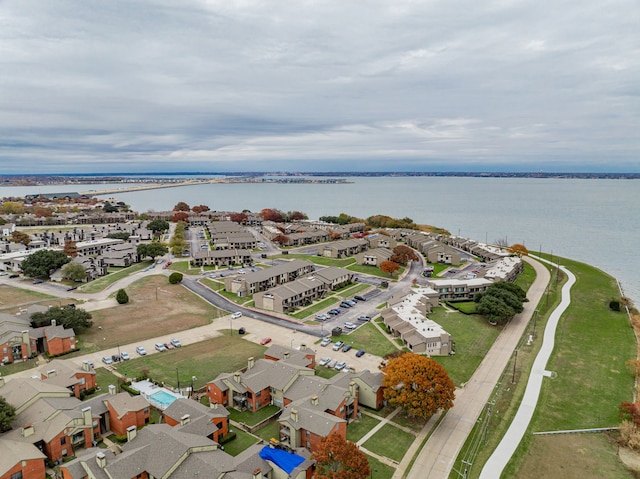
x=148, y=389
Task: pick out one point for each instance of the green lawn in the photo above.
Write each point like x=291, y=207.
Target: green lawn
x=314, y=308
x=357, y=430
x=466, y=307
x=526, y=278
x=321, y=260
x=252, y=418
x=270, y=430
x=241, y=442
x=473, y=336
x=379, y=470
x=375, y=271
x=382, y=444
x=438, y=268
x=205, y=360
x=104, y=378
x=100, y=284
x=366, y=337
x=185, y=267
x=326, y=373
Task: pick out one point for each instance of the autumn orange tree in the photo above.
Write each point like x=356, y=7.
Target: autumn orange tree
x=389, y=267
x=180, y=216
x=402, y=254
x=519, y=249
x=337, y=458
x=418, y=384
x=70, y=248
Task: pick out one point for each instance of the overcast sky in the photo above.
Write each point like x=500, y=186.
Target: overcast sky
x=195, y=85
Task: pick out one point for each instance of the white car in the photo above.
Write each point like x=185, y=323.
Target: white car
x=176, y=343
x=236, y=315
x=160, y=347
x=350, y=325
x=325, y=342
x=340, y=365
x=125, y=356
x=141, y=351
x=107, y=360
x=324, y=361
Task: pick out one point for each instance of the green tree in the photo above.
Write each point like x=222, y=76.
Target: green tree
x=500, y=302
x=43, y=262
x=7, y=415
x=74, y=272
x=123, y=235
x=151, y=250
x=109, y=208
x=418, y=384
x=75, y=318
x=158, y=226
x=122, y=297
x=175, y=278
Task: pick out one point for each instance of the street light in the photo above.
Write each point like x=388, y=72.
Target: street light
x=193, y=378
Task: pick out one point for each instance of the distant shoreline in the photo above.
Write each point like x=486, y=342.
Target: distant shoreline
x=278, y=177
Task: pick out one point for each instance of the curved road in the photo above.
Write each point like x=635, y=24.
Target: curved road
x=437, y=457
x=502, y=454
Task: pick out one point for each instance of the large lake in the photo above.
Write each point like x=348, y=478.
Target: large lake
x=595, y=221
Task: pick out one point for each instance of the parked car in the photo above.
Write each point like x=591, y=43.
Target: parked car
x=351, y=302
x=360, y=298
x=236, y=315
x=338, y=345
x=325, y=342
x=37, y=281
x=176, y=343
x=360, y=353
x=125, y=356
x=70, y=288
x=324, y=361
x=364, y=318
x=346, y=348
x=332, y=363
x=169, y=345
x=340, y=365
x=141, y=351
x=12, y=276
x=115, y=358
x=160, y=347
x=322, y=317
x=264, y=341
x=107, y=360
x=344, y=304
x=350, y=325
x=334, y=311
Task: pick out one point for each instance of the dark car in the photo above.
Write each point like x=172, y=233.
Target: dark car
x=347, y=347
x=37, y=281
x=360, y=298
x=345, y=304
x=364, y=318
x=11, y=276
x=72, y=288
x=115, y=358
x=334, y=311
x=360, y=353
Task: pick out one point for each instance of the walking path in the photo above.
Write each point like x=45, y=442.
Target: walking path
x=439, y=453
x=502, y=454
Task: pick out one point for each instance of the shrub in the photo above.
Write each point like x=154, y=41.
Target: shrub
x=614, y=305
x=122, y=297
x=229, y=437
x=175, y=278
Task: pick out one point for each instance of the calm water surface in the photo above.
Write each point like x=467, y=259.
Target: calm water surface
x=594, y=221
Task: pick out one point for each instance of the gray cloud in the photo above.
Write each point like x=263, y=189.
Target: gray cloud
x=88, y=86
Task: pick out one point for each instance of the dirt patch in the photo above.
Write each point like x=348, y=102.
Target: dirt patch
x=630, y=458
x=573, y=456
x=11, y=298
x=155, y=308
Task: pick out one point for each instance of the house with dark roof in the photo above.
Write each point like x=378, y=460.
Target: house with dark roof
x=195, y=418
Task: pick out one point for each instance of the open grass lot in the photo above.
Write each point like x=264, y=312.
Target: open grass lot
x=369, y=338
x=252, y=418
x=100, y=284
x=175, y=309
x=321, y=260
x=473, y=336
x=12, y=296
x=205, y=360
x=466, y=307
x=375, y=271
x=412, y=422
x=438, y=268
x=104, y=378
x=325, y=372
x=395, y=448
x=241, y=442
x=270, y=430
x=185, y=268
x=356, y=430
x=592, y=345
x=527, y=277
x=379, y=470
x=591, y=455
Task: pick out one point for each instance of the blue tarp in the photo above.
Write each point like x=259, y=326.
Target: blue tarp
x=286, y=461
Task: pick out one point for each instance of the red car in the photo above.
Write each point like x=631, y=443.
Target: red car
x=265, y=341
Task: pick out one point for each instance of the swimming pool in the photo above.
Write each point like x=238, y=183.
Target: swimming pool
x=163, y=398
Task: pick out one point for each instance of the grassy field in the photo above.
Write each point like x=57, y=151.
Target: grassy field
x=379, y=470
x=592, y=345
x=100, y=284
x=381, y=444
x=204, y=360
x=473, y=336
x=241, y=442
x=252, y=418
x=13, y=297
x=369, y=338
x=155, y=307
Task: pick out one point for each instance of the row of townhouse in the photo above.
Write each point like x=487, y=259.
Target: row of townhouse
x=344, y=248
x=434, y=250
x=262, y=280
x=481, y=250
x=312, y=407
x=374, y=257
x=230, y=235
x=302, y=291
x=459, y=289
x=504, y=269
x=406, y=318
x=221, y=257
x=19, y=341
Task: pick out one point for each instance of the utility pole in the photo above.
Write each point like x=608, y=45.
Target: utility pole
x=515, y=360
x=178, y=380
